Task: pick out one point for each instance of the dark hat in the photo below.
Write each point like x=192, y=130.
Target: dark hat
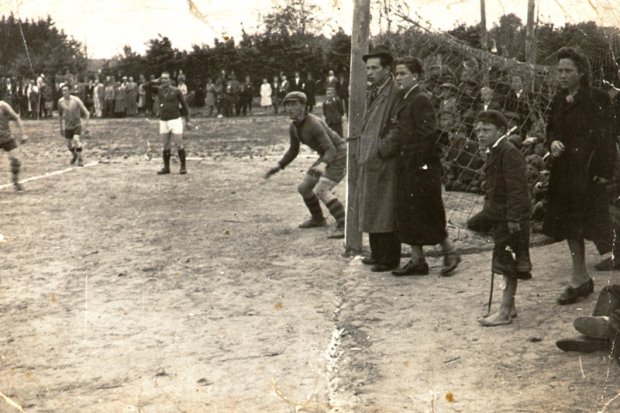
x=512, y=115
x=295, y=96
x=495, y=117
x=450, y=86
x=379, y=51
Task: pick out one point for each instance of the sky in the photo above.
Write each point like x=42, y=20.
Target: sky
x=105, y=26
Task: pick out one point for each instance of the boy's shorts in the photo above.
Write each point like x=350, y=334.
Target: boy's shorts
x=70, y=133
x=504, y=262
x=9, y=145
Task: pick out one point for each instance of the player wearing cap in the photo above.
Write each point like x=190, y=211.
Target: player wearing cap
x=7, y=143
x=325, y=173
x=70, y=109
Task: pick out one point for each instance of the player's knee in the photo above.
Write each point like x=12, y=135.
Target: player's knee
x=305, y=189
x=323, y=194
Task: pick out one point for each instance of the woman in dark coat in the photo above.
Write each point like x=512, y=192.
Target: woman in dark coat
x=580, y=139
x=421, y=217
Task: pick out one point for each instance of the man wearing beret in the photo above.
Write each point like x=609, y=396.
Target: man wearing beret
x=375, y=196
x=507, y=208
x=326, y=172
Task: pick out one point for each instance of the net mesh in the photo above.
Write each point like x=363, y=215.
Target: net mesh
x=463, y=78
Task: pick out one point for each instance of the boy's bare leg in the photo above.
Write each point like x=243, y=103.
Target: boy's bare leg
x=507, y=307
x=579, y=274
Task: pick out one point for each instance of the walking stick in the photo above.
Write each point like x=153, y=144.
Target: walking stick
x=490, y=293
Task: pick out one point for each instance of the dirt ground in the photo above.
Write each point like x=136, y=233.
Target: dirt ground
x=124, y=291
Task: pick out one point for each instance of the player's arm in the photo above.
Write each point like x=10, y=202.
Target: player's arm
x=184, y=107
x=14, y=116
x=326, y=144
x=60, y=118
x=291, y=154
x=85, y=113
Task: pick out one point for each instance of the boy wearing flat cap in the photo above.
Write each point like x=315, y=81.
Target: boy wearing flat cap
x=507, y=207
x=325, y=173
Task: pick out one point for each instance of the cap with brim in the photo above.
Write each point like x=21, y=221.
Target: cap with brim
x=378, y=52
x=494, y=117
x=295, y=97
x=450, y=86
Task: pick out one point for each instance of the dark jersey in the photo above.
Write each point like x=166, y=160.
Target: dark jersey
x=171, y=102
x=313, y=132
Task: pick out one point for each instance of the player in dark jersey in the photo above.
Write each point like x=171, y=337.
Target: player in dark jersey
x=8, y=144
x=171, y=106
x=326, y=172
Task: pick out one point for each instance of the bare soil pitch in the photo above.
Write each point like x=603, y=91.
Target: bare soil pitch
x=124, y=291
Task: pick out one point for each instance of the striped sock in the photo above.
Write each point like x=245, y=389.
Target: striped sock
x=314, y=207
x=337, y=210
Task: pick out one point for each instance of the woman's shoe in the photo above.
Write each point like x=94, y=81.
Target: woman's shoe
x=571, y=295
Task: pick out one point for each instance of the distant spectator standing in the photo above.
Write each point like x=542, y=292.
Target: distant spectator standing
x=120, y=98
x=265, y=95
x=109, y=98
x=246, y=94
x=141, y=95
x=310, y=91
x=131, y=97
x=210, y=98
x=98, y=96
x=333, y=111
x=275, y=97
x=297, y=84
x=285, y=87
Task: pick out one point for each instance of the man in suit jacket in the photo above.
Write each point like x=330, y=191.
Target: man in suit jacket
x=297, y=85
x=376, y=186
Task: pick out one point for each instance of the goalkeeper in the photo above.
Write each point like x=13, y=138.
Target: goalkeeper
x=325, y=173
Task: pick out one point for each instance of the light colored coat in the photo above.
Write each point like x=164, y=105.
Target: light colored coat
x=375, y=198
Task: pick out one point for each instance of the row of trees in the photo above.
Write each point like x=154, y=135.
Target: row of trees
x=288, y=41
x=40, y=43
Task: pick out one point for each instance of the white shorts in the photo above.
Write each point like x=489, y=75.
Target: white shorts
x=173, y=125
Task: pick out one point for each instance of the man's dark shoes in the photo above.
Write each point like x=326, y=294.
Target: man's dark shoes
x=593, y=327
x=582, y=344
x=313, y=223
x=74, y=157
x=369, y=261
x=163, y=171
x=410, y=268
x=182, y=170
x=380, y=267
x=608, y=264
x=571, y=295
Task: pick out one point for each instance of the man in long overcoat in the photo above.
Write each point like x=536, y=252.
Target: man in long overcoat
x=375, y=197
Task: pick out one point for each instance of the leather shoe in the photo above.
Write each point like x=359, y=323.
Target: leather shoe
x=571, y=295
x=582, y=344
x=369, y=261
x=383, y=267
x=450, y=261
x=593, y=327
x=412, y=269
